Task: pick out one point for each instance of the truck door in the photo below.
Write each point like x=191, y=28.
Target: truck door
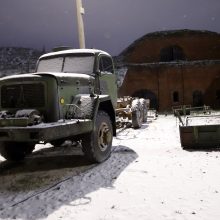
x=108, y=81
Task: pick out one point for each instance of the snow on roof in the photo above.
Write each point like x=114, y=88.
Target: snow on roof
x=167, y=33
x=74, y=51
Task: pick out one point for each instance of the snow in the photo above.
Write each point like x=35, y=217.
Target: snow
x=203, y=120
x=17, y=60
x=74, y=51
x=148, y=176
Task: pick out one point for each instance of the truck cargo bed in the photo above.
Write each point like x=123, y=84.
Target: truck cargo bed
x=200, y=132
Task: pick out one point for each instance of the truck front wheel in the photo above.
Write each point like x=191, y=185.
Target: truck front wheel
x=15, y=151
x=97, y=144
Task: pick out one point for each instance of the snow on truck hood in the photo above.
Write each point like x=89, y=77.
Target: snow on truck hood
x=64, y=75
x=40, y=74
x=18, y=76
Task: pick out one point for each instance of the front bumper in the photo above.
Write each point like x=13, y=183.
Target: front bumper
x=46, y=131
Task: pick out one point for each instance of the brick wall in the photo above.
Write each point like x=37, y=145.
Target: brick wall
x=194, y=79
x=163, y=80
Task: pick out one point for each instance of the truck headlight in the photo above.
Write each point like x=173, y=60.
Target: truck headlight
x=62, y=101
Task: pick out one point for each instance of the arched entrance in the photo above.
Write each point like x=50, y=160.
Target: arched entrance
x=147, y=94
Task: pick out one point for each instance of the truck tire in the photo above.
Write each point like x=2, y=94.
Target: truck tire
x=136, y=113
x=97, y=144
x=15, y=151
x=144, y=109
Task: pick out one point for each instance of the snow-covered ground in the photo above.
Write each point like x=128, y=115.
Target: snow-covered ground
x=148, y=176
x=203, y=120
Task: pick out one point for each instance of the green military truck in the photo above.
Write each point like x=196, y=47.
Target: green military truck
x=72, y=95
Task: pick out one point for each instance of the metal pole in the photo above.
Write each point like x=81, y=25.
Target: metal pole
x=80, y=11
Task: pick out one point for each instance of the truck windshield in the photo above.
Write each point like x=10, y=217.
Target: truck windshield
x=68, y=64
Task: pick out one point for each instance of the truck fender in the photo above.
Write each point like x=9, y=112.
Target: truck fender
x=84, y=107
x=88, y=106
x=104, y=103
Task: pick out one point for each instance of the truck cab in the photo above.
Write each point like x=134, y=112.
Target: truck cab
x=72, y=95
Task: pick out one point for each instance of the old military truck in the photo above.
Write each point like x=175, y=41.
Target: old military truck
x=71, y=96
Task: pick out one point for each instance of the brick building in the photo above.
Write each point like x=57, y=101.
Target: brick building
x=174, y=68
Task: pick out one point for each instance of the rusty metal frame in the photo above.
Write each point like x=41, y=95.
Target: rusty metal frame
x=199, y=135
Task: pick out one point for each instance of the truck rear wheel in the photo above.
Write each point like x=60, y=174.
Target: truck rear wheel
x=97, y=144
x=136, y=113
x=15, y=151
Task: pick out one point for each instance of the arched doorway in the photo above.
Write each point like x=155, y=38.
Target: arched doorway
x=147, y=94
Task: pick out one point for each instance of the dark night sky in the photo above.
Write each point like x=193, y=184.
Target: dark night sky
x=110, y=25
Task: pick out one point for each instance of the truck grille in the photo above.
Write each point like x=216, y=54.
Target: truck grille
x=23, y=96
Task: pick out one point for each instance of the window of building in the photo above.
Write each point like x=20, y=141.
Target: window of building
x=198, y=99
x=175, y=96
x=172, y=53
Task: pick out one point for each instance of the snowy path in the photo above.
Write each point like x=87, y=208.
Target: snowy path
x=148, y=176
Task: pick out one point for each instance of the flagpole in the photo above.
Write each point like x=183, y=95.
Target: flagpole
x=80, y=12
